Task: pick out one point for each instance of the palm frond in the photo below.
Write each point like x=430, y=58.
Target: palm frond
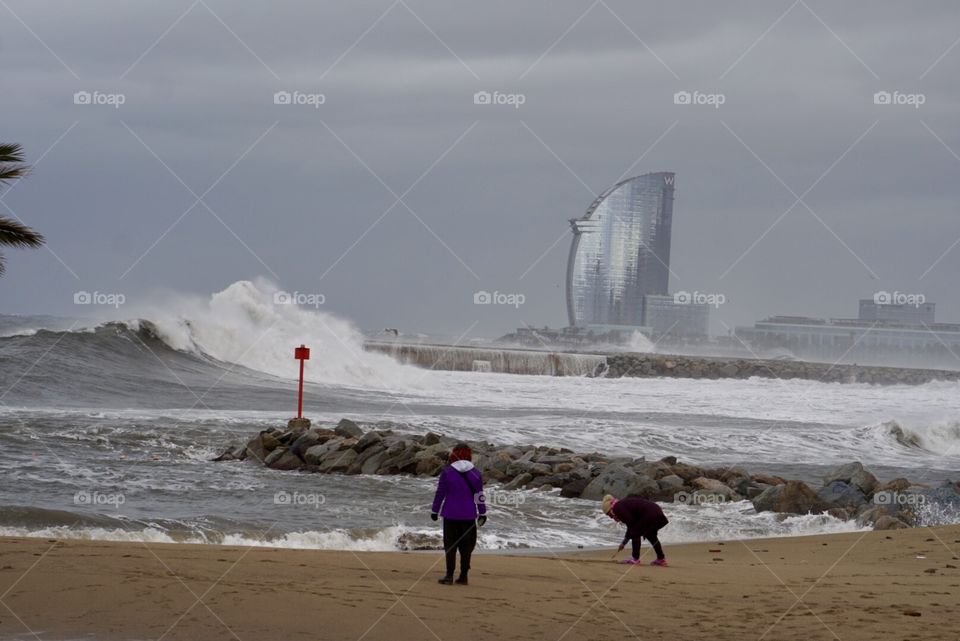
x=11, y=162
x=13, y=233
x=12, y=172
x=11, y=152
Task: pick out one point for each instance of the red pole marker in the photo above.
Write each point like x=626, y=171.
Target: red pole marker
x=302, y=354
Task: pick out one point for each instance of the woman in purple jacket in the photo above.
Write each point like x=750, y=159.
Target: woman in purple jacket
x=460, y=493
x=643, y=519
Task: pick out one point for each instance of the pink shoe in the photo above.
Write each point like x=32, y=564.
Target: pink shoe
x=630, y=562
x=661, y=562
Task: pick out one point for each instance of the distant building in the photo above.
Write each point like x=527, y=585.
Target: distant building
x=618, y=272
x=918, y=314
x=621, y=252
x=883, y=332
x=675, y=316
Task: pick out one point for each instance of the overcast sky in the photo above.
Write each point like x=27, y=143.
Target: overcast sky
x=797, y=195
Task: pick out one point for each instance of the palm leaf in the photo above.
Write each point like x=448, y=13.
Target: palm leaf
x=13, y=233
x=11, y=162
x=11, y=152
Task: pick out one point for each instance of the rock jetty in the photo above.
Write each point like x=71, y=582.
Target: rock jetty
x=848, y=492
x=652, y=365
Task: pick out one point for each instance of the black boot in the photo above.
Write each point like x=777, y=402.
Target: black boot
x=446, y=580
x=462, y=580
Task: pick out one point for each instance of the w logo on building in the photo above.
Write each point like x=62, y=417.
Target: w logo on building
x=668, y=180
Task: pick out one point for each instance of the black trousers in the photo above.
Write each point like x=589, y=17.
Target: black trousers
x=654, y=541
x=459, y=536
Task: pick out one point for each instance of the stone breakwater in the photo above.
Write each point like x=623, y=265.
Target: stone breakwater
x=507, y=360
x=651, y=365
x=848, y=492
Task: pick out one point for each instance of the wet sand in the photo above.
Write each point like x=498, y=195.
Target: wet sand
x=903, y=584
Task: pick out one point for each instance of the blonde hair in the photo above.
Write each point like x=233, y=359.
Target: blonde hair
x=608, y=502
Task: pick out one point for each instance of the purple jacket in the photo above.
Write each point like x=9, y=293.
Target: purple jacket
x=460, y=492
x=641, y=516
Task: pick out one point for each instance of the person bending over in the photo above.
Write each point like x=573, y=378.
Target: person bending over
x=643, y=519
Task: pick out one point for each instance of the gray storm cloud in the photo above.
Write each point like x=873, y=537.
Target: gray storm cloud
x=398, y=197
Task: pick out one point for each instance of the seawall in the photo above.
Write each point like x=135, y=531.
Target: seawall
x=482, y=359
x=506, y=360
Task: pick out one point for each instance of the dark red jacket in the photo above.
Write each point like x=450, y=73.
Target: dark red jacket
x=641, y=516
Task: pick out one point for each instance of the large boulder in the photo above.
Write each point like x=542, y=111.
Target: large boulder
x=283, y=459
x=575, y=488
x=671, y=482
x=793, y=497
x=655, y=470
x=337, y=461
x=298, y=424
x=896, y=485
x=840, y=494
x=870, y=514
x=551, y=480
x=853, y=474
x=270, y=440
x=687, y=472
x=429, y=466
x=519, y=481
x=368, y=439
x=643, y=486
x=767, y=479
x=261, y=445
x=749, y=488
x=707, y=486
x=315, y=454
x=233, y=453
x=373, y=462
x=620, y=482
x=348, y=429
x=889, y=523
x=304, y=442
x=528, y=467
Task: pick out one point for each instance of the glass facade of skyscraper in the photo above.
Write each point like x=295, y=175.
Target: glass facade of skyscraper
x=621, y=252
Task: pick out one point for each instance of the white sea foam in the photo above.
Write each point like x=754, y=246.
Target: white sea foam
x=243, y=324
x=685, y=527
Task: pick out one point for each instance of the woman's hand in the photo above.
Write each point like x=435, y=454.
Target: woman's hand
x=620, y=549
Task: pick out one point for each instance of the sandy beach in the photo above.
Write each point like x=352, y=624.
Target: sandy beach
x=902, y=584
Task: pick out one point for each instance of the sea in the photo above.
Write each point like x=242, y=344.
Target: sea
x=108, y=426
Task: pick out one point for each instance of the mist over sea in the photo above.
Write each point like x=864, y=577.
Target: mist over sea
x=107, y=431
